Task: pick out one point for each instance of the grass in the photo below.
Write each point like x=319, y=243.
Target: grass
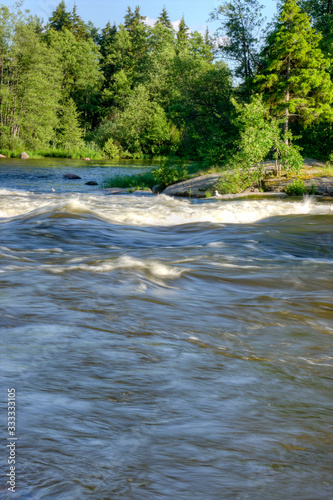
x=87, y=152
x=135, y=181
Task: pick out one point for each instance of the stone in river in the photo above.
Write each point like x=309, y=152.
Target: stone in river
x=24, y=156
x=91, y=183
x=72, y=176
x=3, y=156
x=86, y=159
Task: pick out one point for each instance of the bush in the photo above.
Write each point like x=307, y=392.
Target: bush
x=296, y=188
x=170, y=172
x=236, y=181
x=111, y=149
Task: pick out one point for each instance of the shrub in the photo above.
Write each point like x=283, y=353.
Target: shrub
x=296, y=188
x=170, y=172
x=111, y=149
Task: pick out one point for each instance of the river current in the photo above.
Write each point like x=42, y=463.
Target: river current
x=164, y=348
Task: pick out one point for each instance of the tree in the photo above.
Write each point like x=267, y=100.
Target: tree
x=69, y=133
x=321, y=14
x=60, y=18
x=296, y=83
x=29, y=85
x=182, y=35
x=78, y=28
x=81, y=76
x=240, y=34
x=143, y=126
x=164, y=19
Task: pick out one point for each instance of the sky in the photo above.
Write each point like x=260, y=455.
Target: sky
x=196, y=12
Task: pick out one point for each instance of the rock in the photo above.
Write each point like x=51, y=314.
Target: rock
x=24, y=156
x=86, y=159
x=91, y=183
x=3, y=156
x=195, y=187
x=116, y=190
x=144, y=192
x=72, y=176
x=315, y=185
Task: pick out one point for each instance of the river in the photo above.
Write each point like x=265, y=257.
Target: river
x=163, y=348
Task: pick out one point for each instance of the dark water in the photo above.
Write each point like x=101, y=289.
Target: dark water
x=165, y=348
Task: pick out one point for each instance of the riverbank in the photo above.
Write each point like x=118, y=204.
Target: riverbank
x=315, y=178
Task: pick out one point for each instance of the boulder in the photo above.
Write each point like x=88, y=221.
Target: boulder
x=24, y=156
x=91, y=183
x=72, y=176
x=116, y=190
x=86, y=159
x=3, y=156
x=195, y=187
x=142, y=192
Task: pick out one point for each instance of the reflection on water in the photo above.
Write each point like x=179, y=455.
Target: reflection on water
x=166, y=348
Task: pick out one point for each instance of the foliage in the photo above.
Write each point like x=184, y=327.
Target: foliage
x=70, y=133
x=296, y=83
x=135, y=90
x=171, y=170
x=240, y=34
x=290, y=157
x=296, y=188
x=235, y=181
x=143, y=125
x=111, y=149
x=139, y=181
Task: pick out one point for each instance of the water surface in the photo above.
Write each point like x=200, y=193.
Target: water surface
x=166, y=348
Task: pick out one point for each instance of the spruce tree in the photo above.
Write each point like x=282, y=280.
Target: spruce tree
x=182, y=34
x=296, y=83
x=164, y=19
x=60, y=19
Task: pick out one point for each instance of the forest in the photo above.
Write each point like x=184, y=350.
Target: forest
x=252, y=90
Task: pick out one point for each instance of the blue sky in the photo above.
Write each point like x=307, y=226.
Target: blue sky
x=196, y=12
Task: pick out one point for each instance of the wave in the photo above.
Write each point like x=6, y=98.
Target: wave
x=154, y=211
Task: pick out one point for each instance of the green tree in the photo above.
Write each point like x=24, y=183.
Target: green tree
x=201, y=107
x=296, y=83
x=182, y=35
x=143, y=126
x=60, y=18
x=321, y=14
x=29, y=86
x=164, y=19
x=240, y=34
x=81, y=76
x=69, y=132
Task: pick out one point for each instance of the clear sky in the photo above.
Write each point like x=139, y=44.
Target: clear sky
x=196, y=12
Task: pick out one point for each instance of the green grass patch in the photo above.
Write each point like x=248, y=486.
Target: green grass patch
x=85, y=152
x=136, y=181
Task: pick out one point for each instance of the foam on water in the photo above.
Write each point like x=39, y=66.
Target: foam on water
x=154, y=211
x=125, y=262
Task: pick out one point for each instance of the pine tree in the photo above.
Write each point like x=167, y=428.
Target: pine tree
x=70, y=133
x=321, y=14
x=182, y=34
x=164, y=19
x=296, y=83
x=60, y=19
x=132, y=19
x=78, y=27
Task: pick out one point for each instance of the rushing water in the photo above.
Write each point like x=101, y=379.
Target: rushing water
x=165, y=348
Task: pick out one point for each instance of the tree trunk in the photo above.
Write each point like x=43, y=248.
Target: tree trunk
x=286, y=123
